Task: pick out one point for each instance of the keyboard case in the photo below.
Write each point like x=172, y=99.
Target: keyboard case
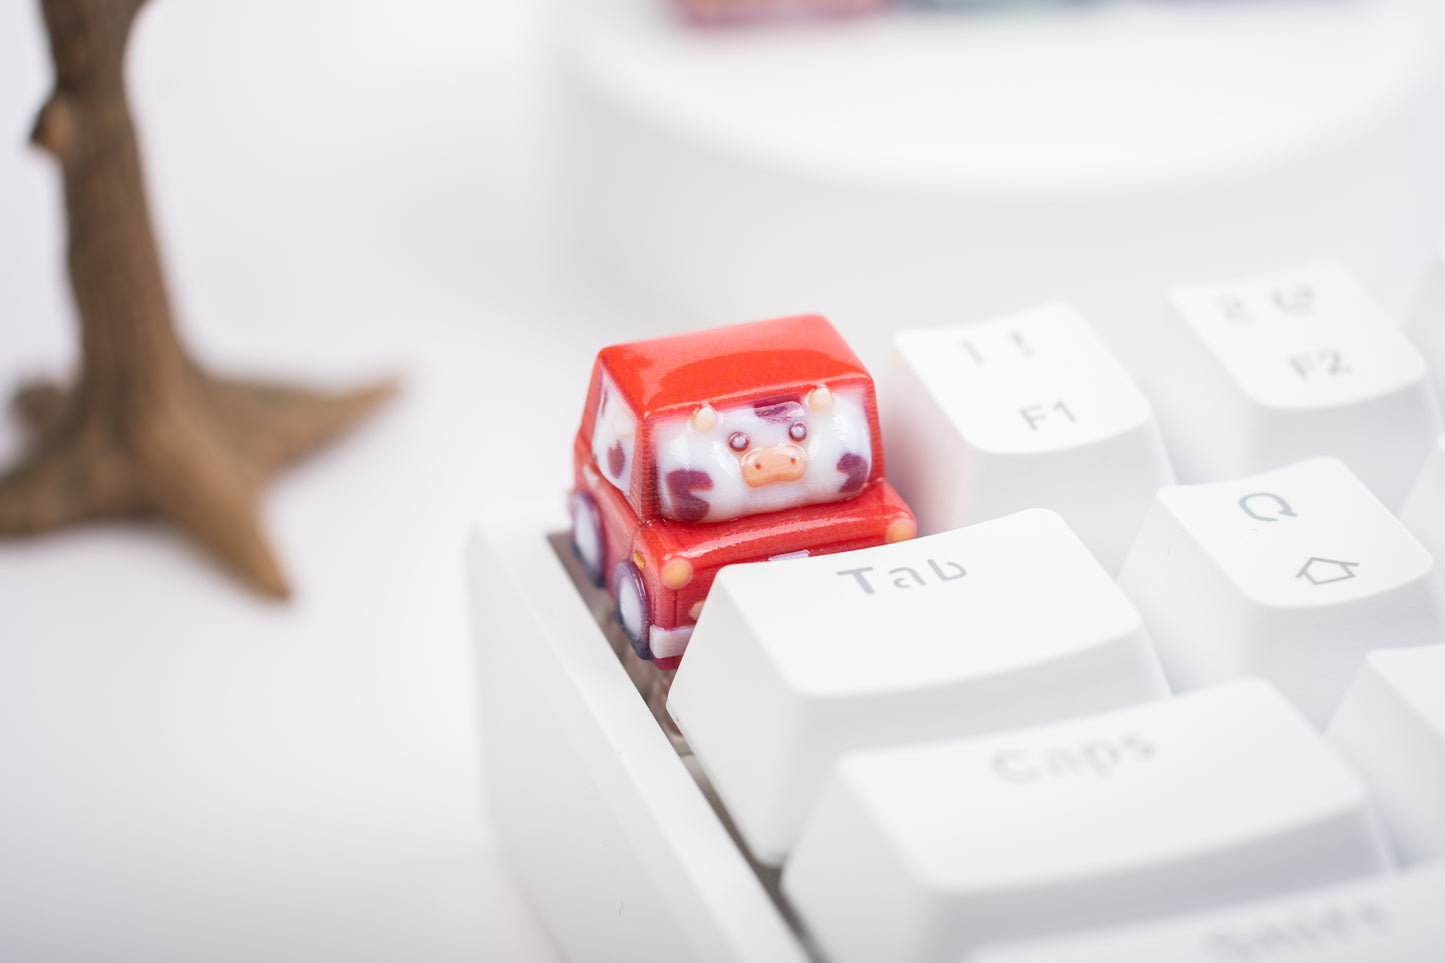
x=618, y=848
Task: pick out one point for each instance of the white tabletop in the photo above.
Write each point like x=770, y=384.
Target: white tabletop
x=187, y=772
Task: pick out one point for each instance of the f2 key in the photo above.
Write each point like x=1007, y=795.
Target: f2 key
x=1261, y=372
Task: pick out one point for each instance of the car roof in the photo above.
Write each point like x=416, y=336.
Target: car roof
x=735, y=363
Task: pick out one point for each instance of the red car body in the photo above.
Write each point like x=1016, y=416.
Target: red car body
x=662, y=566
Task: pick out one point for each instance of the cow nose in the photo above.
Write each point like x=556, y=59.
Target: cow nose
x=763, y=466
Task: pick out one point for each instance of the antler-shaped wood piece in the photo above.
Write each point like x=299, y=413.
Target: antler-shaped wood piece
x=144, y=431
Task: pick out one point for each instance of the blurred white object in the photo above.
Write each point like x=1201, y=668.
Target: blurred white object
x=1391, y=726
x=1257, y=373
x=1025, y=411
x=1292, y=574
x=915, y=168
x=1395, y=918
x=1216, y=796
x=1427, y=319
x=1424, y=509
x=1007, y=623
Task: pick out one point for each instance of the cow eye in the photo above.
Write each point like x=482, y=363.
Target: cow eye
x=738, y=441
x=798, y=432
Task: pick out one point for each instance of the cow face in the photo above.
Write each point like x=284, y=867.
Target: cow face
x=722, y=463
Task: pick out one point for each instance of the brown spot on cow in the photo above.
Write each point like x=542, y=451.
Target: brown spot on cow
x=854, y=466
x=778, y=410
x=682, y=484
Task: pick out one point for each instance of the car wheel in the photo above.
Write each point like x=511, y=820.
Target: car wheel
x=587, y=535
x=633, y=612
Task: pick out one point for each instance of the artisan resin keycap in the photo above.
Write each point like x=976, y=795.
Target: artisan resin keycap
x=793, y=662
x=735, y=444
x=1258, y=373
x=921, y=853
x=1391, y=726
x=1292, y=574
x=1024, y=411
x=1383, y=919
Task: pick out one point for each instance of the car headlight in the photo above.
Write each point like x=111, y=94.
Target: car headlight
x=676, y=572
x=900, y=530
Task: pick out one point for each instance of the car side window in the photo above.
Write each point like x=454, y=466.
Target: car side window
x=614, y=435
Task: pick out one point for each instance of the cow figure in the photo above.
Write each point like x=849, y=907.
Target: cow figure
x=764, y=456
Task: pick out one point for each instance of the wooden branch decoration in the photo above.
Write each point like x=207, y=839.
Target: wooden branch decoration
x=144, y=431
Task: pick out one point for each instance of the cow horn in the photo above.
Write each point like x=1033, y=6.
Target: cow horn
x=704, y=419
x=820, y=398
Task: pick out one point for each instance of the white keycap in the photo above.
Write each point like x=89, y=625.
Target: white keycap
x=1424, y=510
x=1391, y=725
x=1292, y=574
x=1426, y=326
x=793, y=662
x=1385, y=919
x=920, y=853
x=1024, y=411
x=1258, y=373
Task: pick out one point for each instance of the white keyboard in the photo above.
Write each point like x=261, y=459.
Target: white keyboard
x=1163, y=677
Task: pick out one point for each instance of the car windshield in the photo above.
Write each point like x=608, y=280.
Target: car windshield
x=717, y=464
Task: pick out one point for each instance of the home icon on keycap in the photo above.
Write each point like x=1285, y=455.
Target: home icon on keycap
x=1322, y=571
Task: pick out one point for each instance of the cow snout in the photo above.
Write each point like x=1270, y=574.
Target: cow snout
x=763, y=466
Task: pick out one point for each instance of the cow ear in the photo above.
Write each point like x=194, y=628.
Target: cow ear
x=704, y=419
x=820, y=399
